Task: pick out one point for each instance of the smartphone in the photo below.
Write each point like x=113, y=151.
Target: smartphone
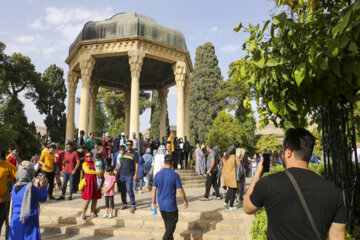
x=266, y=162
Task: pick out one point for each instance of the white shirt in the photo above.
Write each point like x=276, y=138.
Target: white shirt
x=159, y=163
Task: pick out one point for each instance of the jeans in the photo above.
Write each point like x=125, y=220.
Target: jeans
x=170, y=220
x=67, y=177
x=211, y=180
x=126, y=185
x=230, y=196
x=241, y=190
x=253, y=169
x=141, y=180
x=76, y=180
x=4, y=217
x=50, y=177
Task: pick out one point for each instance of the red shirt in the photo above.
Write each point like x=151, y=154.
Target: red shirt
x=106, y=151
x=12, y=160
x=70, y=159
x=59, y=160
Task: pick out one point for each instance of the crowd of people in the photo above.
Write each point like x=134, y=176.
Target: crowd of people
x=91, y=166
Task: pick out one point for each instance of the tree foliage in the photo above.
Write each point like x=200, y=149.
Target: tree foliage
x=112, y=102
x=225, y=129
x=101, y=120
x=155, y=117
x=303, y=60
x=205, y=82
x=268, y=143
x=51, y=102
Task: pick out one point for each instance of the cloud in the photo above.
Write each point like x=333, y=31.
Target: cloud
x=37, y=24
x=25, y=39
x=230, y=48
x=214, y=29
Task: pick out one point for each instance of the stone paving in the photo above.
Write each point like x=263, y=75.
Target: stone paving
x=211, y=213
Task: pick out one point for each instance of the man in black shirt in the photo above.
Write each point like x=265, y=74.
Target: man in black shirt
x=128, y=174
x=287, y=218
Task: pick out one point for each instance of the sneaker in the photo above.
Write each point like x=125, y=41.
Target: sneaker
x=61, y=198
x=110, y=216
x=105, y=215
x=70, y=197
x=179, y=166
x=83, y=216
x=232, y=208
x=140, y=191
x=226, y=205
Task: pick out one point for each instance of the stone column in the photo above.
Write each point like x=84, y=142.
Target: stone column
x=127, y=111
x=94, y=88
x=187, y=107
x=135, y=60
x=180, y=76
x=163, y=93
x=86, y=66
x=72, y=79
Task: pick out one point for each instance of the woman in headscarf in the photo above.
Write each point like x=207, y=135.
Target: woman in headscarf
x=159, y=160
x=14, y=159
x=91, y=191
x=229, y=177
x=25, y=204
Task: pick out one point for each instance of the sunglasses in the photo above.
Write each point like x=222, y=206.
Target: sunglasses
x=128, y=144
x=88, y=155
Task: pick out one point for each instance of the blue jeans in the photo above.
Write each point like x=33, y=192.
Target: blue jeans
x=67, y=176
x=126, y=185
x=141, y=184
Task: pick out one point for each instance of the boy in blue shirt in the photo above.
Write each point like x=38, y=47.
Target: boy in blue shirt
x=168, y=181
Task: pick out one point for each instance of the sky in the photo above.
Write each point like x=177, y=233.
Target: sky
x=44, y=30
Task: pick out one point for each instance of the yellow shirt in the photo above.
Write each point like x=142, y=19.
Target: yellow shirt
x=7, y=171
x=87, y=170
x=8, y=156
x=172, y=144
x=49, y=159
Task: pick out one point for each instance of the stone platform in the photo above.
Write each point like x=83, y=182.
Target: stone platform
x=202, y=220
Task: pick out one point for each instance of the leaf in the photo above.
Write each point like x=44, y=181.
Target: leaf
x=356, y=69
x=324, y=63
x=279, y=3
x=333, y=46
x=343, y=23
x=353, y=47
x=280, y=18
x=273, y=107
x=335, y=68
x=272, y=62
x=264, y=28
x=237, y=29
x=292, y=106
x=299, y=74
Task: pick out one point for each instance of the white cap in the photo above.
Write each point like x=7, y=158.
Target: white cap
x=122, y=134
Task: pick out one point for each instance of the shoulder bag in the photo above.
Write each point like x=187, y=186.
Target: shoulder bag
x=303, y=203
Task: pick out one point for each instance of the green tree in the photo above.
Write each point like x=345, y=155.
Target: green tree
x=205, y=82
x=113, y=104
x=101, y=120
x=51, y=102
x=16, y=123
x=225, y=129
x=268, y=143
x=155, y=117
x=306, y=59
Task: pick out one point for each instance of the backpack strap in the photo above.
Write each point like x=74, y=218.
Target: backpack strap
x=303, y=203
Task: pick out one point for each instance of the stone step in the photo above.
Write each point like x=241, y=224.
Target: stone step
x=143, y=213
x=191, y=181
x=144, y=232
x=136, y=221
x=194, y=185
x=65, y=236
x=185, y=171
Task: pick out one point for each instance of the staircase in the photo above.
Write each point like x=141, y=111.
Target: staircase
x=66, y=223
x=202, y=220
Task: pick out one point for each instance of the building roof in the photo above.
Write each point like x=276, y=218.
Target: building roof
x=130, y=24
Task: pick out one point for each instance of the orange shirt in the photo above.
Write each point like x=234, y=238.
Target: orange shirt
x=7, y=172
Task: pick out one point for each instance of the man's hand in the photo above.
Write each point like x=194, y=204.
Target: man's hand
x=135, y=178
x=259, y=166
x=44, y=182
x=208, y=172
x=186, y=204
x=73, y=172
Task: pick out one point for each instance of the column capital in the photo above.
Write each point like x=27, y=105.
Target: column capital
x=87, y=63
x=72, y=80
x=94, y=88
x=181, y=73
x=136, y=59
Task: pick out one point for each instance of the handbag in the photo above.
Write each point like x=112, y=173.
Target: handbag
x=303, y=203
x=82, y=183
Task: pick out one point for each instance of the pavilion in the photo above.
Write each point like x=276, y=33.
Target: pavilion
x=129, y=52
